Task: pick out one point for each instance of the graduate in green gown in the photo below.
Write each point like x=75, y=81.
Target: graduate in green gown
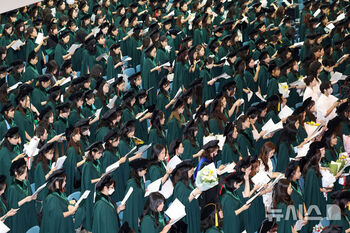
x=190, y=143
x=150, y=72
x=287, y=141
x=185, y=192
x=9, y=151
x=61, y=124
x=112, y=155
x=232, y=205
x=157, y=168
x=141, y=123
x=231, y=151
x=5, y=212
x=74, y=161
x=24, y=117
x=293, y=174
x=164, y=102
x=58, y=211
x=114, y=61
x=153, y=219
x=134, y=205
x=157, y=134
x=16, y=74
x=281, y=202
x=20, y=196
x=110, y=120
x=106, y=218
x=39, y=94
x=91, y=174
x=31, y=72
x=313, y=188
x=263, y=76
x=61, y=50
x=245, y=137
x=208, y=80
x=89, y=56
x=43, y=168
x=175, y=122
x=8, y=121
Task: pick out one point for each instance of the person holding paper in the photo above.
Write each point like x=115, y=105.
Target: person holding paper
x=89, y=110
x=327, y=103
x=163, y=56
x=9, y=151
x=313, y=189
x=176, y=121
x=149, y=74
x=256, y=211
x=202, y=120
x=110, y=120
x=102, y=95
x=88, y=56
x=75, y=159
x=61, y=124
x=157, y=168
x=24, y=117
x=231, y=151
x=16, y=74
x=208, y=81
x=281, y=201
x=112, y=155
x=91, y=174
x=20, y=196
x=135, y=82
x=127, y=144
x=293, y=76
x=163, y=98
x=57, y=210
x=38, y=49
x=118, y=90
x=140, y=107
x=128, y=103
x=102, y=51
x=31, y=71
x=232, y=205
x=287, y=140
x=4, y=211
x=157, y=134
x=153, y=220
x=293, y=174
x=61, y=50
x=184, y=191
x=114, y=61
x=245, y=137
x=43, y=168
x=39, y=94
x=190, y=143
x=106, y=213
x=134, y=205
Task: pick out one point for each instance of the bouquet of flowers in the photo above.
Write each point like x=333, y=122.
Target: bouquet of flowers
x=324, y=223
x=207, y=177
x=283, y=89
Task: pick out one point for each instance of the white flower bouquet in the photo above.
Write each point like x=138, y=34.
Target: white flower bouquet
x=207, y=177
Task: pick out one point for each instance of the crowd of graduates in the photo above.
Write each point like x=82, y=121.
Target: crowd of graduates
x=91, y=80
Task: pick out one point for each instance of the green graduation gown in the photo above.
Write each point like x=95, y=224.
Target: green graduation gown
x=285, y=151
x=231, y=222
x=6, y=157
x=39, y=95
x=91, y=170
x=150, y=79
x=174, y=130
x=148, y=224
x=228, y=156
x=39, y=179
x=192, y=218
x=53, y=220
x=284, y=225
x=105, y=218
x=134, y=205
x=26, y=215
x=25, y=123
x=73, y=173
x=108, y=159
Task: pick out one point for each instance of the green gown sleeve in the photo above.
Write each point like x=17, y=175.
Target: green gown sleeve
x=231, y=222
x=284, y=225
x=70, y=167
x=134, y=205
x=105, y=219
x=228, y=156
x=148, y=225
x=283, y=157
x=53, y=220
x=25, y=218
x=39, y=179
x=192, y=218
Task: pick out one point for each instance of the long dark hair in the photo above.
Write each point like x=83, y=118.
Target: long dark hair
x=313, y=162
x=154, y=200
x=264, y=151
x=182, y=175
x=76, y=145
x=289, y=132
x=45, y=162
x=156, y=150
x=155, y=122
x=109, y=146
x=280, y=193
